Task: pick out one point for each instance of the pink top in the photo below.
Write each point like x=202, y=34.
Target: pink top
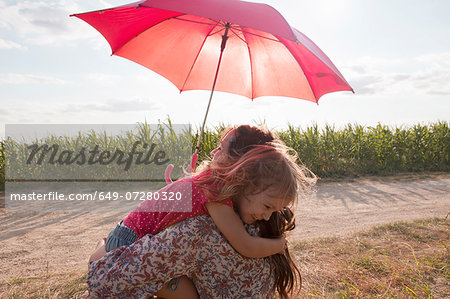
x=153, y=216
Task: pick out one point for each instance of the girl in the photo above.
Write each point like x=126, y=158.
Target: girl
x=148, y=218
x=251, y=173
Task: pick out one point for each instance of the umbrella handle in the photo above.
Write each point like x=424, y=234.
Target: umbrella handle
x=167, y=174
x=170, y=167
x=222, y=47
x=194, y=157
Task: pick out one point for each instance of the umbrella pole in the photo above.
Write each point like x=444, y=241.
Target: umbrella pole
x=222, y=47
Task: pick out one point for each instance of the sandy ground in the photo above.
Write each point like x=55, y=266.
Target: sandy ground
x=33, y=243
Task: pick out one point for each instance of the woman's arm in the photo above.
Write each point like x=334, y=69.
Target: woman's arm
x=234, y=231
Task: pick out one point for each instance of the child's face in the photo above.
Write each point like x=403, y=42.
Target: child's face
x=259, y=206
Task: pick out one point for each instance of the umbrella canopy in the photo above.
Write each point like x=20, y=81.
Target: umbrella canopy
x=181, y=40
x=189, y=42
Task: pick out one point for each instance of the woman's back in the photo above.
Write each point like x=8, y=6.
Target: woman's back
x=193, y=247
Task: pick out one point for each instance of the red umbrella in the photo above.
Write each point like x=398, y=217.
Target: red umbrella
x=188, y=42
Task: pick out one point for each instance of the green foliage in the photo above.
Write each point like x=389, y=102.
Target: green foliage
x=358, y=150
x=71, y=158
x=328, y=152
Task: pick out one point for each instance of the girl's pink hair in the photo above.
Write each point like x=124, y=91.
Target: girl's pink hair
x=270, y=165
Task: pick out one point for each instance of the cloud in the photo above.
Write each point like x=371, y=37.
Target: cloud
x=435, y=80
x=105, y=79
x=436, y=59
x=116, y=106
x=29, y=79
x=34, y=111
x=7, y=44
x=401, y=77
x=43, y=22
x=424, y=75
x=366, y=83
x=440, y=93
x=48, y=111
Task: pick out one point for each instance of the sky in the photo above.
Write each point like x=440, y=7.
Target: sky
x=55, y=69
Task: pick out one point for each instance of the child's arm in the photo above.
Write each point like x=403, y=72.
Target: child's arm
x=230, y=225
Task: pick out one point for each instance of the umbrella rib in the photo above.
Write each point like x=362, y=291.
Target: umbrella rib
x=301, y=68
x=196, y=57
x=156, y=24
x=192, y=21
x=261, y=36
x=237, y=35
x=251, y=65
x=212, y=33
x=168, y=19
x=220, y=29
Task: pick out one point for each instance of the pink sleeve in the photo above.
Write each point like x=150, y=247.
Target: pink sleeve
x=199, y=197
x=228, y=203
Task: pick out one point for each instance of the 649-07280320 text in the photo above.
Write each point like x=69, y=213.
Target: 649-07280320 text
x=100, y=196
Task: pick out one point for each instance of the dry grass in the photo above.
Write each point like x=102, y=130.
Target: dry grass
x=400, y=260
x=45, y=285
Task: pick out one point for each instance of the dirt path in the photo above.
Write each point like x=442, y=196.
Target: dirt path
x=339, y=208
x=32, y=243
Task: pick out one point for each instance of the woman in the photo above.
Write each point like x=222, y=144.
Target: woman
x=196, y=249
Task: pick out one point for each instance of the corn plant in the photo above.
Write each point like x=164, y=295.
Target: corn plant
x=329, y=152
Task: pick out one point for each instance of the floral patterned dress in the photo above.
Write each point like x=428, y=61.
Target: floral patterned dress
x=193, y=247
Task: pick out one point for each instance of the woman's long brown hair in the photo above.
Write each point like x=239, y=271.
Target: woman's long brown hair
x=287, y=275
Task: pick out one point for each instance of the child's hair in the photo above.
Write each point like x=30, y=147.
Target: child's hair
x=246, y=137
x=256, y=161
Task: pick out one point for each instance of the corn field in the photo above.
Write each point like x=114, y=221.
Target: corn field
x=98, y=156
x=328, y=152
x=358, y=150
